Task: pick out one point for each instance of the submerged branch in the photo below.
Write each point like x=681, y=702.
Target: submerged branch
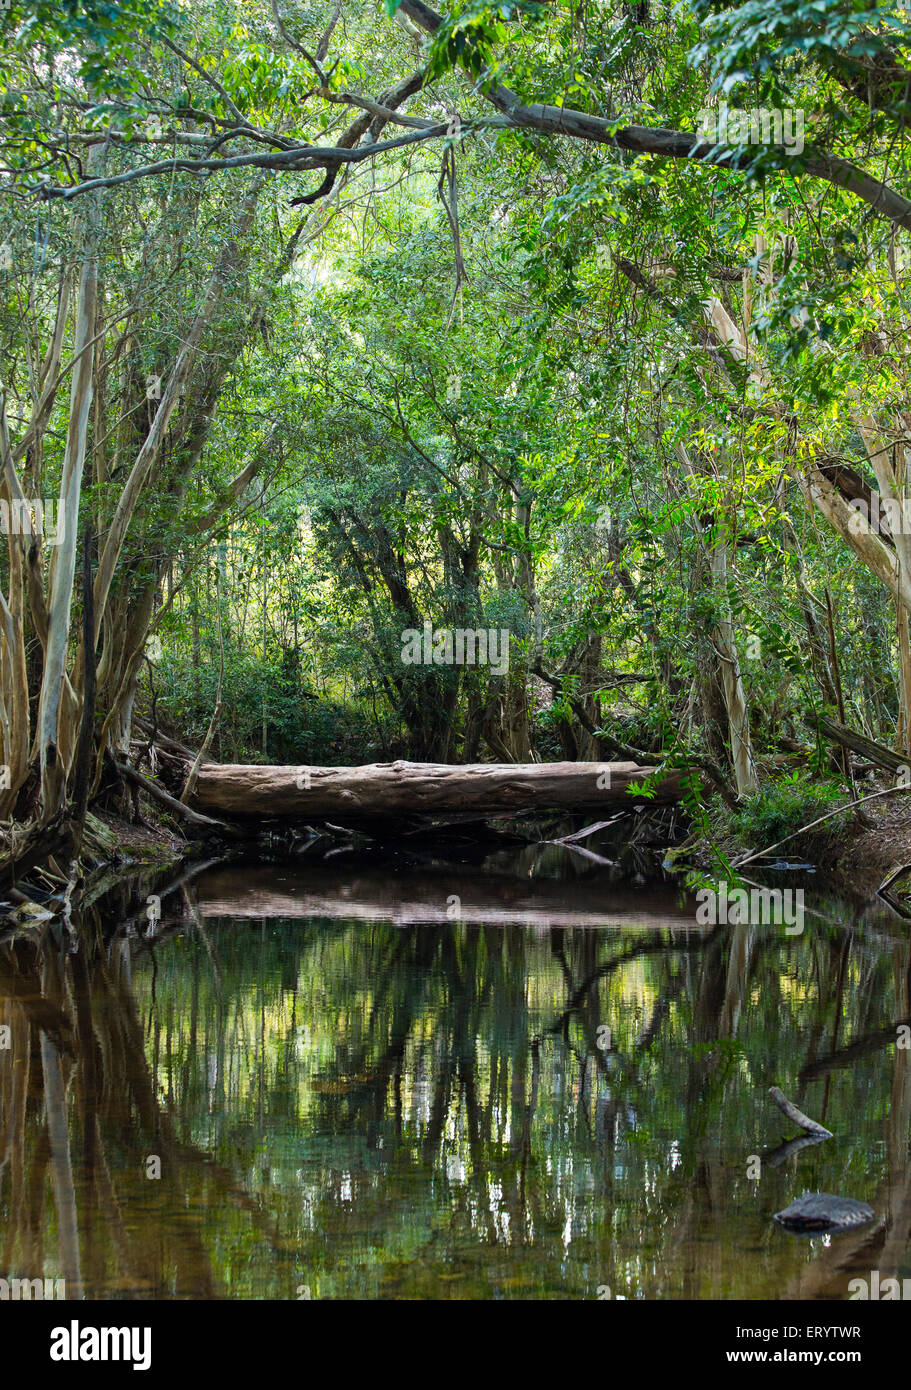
x=797, y=1117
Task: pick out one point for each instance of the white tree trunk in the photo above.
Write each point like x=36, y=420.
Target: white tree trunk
x=53, y=771
x=732, y=681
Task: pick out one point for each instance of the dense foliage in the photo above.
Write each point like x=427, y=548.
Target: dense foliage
x=403, y=320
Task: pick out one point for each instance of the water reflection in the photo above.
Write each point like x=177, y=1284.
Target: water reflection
x=348, y=1094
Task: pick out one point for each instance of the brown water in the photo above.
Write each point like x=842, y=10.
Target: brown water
x=353, y=1086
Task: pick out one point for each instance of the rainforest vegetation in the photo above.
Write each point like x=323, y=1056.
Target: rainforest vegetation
x=323, y=322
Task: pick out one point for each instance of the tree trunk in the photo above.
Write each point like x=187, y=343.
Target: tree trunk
x=52, y=739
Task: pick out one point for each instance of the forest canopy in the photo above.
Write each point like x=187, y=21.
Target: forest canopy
x=333, y=331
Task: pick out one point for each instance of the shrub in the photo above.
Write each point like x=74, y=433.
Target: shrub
x=778, y=811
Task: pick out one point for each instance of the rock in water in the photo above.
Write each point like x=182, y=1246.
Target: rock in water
x=821, y=1211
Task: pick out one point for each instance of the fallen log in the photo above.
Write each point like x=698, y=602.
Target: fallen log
x=859, y=743
x=407, y=789
x=159, y=794
x=163, y=739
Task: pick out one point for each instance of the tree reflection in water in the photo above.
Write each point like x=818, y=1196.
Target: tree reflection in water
x=361, y=1109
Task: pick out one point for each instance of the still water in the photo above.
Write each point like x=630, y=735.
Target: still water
x=521, y=1081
